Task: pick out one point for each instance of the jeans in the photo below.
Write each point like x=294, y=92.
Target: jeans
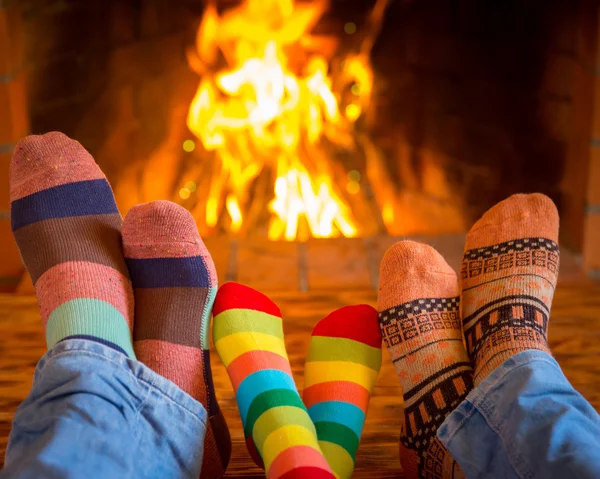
x=524, y=421
x=94, y=413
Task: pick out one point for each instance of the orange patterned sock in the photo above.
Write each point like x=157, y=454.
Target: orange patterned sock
x=508, y=276
x=420, y=323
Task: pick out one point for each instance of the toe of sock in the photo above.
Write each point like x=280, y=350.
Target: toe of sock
x=161, y=229
x=519, y=216
x=237, y=296
x=40, y=162
x=359, y=322
x=411, y=270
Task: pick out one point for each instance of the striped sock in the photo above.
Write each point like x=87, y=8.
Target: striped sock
x=508, y=276
x=248, y=335
x=420, y=324
x=342, y=365
x=175, y=284
x=66, y=223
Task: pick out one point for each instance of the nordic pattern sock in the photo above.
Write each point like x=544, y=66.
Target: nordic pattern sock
x=68, y=229
x=248, y=336
x=508, y=276
x=344, y=358
x=419, y=319
x=175, y=284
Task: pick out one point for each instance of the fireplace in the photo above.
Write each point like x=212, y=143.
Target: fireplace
x=293, y=120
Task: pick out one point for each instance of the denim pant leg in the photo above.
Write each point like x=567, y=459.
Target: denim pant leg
x=94, y=413
x=525, y=420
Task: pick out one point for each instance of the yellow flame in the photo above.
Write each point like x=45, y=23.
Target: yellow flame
x=268, y=107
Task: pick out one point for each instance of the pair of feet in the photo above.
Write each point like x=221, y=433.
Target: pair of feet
x=89, y=266
x=501, y=304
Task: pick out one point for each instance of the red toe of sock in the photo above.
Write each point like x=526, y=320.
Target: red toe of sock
x=359, y=323
x=237, y=296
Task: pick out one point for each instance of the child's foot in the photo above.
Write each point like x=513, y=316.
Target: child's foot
x=343, y=361
x=508, y=276
x=175, y=284
x=248, y=335
x=420, y=324
x=68, y=228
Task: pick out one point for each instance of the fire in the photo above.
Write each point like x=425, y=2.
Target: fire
x=271, y=102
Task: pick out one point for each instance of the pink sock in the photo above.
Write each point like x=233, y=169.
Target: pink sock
x=175, y=284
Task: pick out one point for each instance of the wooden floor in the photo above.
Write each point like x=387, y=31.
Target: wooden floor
x=308, y=281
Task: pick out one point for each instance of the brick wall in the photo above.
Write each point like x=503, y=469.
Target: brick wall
x=13, y=125
x=497, y=90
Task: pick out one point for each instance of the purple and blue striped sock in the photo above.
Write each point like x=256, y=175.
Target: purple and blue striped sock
x=68, y=229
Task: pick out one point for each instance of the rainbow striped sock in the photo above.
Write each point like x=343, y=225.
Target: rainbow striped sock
x=68, y=229
x=344, y=358
x=248, y=335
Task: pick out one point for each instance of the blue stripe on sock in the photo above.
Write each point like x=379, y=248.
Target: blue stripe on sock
x=82, y=198
x=339, y=412
x=96, y=340
x=259, y=382
x=168, y=272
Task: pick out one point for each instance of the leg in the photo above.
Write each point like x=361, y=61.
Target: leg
x=523, y=419
x=93, y=411
x=175, y=286
x=419, y=320
x=248, y=336
x=344, y=358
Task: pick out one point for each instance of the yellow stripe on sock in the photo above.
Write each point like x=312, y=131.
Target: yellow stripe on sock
x=338, y=458
x=234, y=345
x=277, y=417
x=317, y=372
x=246, y=321
x=325, y=348
x=284, y=438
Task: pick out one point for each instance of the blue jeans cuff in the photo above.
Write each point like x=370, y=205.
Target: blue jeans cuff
x=477, y=399
x=138, y=371
x=93, y=412
x=524, y=420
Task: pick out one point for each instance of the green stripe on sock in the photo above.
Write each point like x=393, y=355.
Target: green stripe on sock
x=338, y=434
x=270, y=399
x=205, y=324
x=324, y=348
x=246, y=321
x=91, y=317
x=277, y=417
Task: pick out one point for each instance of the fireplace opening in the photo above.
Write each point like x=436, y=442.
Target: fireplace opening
x=296, y=119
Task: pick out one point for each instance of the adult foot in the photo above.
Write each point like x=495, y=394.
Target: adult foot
x=68, y=229
x=419, y=319
x=508, y=276
x=175, y=284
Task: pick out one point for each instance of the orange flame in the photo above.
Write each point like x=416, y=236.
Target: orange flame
x=266, y=102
